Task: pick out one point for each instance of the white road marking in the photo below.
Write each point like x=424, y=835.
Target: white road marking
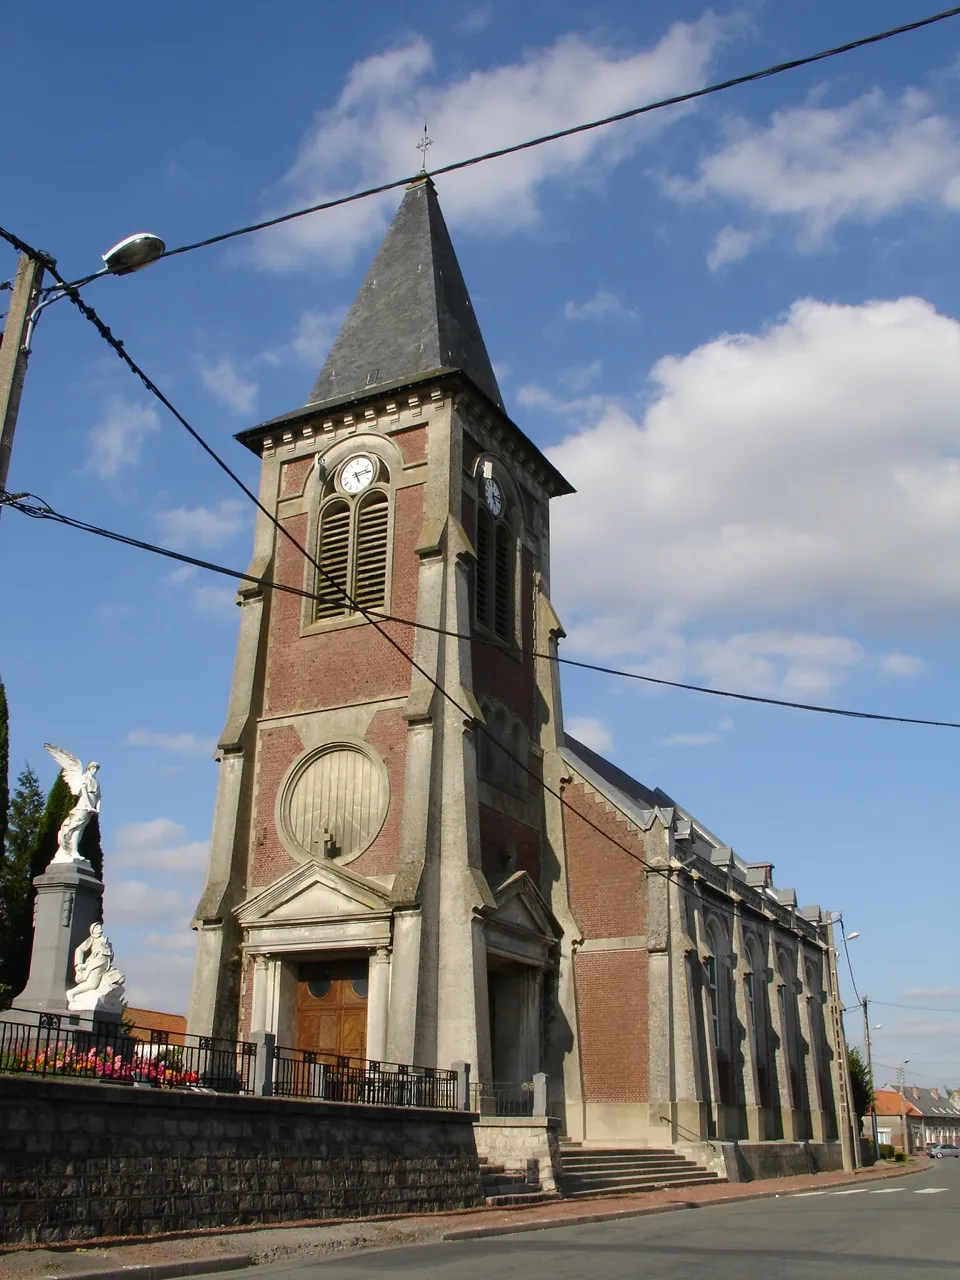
x=887, y=1191
x=799, y=1195
x=857, y=1191
x=928, y=1191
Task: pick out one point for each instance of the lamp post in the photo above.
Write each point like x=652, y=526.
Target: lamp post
x=26, y=304
x=849, y=1137
x=866, y=1044
x=901, y=1081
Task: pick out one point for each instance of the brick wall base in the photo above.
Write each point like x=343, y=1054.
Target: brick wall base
x=82, y=1160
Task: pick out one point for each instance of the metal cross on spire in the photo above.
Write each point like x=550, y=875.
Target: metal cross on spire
x=422, y=147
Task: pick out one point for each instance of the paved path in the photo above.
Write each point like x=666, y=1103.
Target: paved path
x=903, y=1230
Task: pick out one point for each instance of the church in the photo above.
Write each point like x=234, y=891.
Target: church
x=410, y=860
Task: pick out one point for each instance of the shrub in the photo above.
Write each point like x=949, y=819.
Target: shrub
x=901, y=1157
x=886, y=1151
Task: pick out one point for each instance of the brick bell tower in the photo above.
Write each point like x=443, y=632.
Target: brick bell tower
x=379, y=871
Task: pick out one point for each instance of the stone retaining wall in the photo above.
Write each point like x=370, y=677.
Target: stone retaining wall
x=749, y=1161
x=80, y=1160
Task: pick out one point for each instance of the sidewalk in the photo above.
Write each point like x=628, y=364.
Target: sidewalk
x=203, y=1252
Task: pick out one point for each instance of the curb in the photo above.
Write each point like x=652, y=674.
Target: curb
x=166, y=1270
x=642, y=1211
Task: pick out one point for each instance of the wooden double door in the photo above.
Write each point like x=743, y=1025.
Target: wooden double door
x=332, y=1008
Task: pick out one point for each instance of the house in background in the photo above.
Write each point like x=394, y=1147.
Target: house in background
x=932, y=1115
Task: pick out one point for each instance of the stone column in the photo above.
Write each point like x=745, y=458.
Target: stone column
x=258, y=1003
x=808, y=1029
x=781, y=1054
x=378, y=1004
x=750, y=1084
x=69, y=900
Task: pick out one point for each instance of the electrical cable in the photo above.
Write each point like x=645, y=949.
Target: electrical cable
x=38, y=509
x=846, y=952
x=117, y=346
x=913, y=1008
x=631, y=113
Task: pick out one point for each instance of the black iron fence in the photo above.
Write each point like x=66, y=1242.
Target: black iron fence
x=503, y=1098
x=302, y=1073
x=163, y=1060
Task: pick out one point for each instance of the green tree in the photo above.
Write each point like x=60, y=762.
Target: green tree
x=861, y=1082
x=16, y=892
x=4, y=768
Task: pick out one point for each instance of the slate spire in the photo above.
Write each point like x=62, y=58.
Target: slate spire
x=413, y=313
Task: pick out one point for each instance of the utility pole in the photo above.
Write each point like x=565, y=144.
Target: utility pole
x=15, y=351
x=847, y=1119
x=873, y=1099
x=901, y=1081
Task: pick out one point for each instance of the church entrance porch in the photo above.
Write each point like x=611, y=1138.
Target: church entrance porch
x=331, y=1014
x=513, y=992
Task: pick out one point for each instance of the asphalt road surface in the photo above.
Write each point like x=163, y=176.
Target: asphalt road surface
x=902, y=1229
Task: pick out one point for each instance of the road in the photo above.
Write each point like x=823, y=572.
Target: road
x=904, y=1229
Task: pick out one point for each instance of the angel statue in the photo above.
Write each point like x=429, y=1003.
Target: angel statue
x=84, y=785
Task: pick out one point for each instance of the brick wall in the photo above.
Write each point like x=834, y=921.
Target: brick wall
x=607, y=882
x=79, y=1161
x=612, y=1014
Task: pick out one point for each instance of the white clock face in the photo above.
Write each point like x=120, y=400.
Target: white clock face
x=356, y=475
x=494, y=496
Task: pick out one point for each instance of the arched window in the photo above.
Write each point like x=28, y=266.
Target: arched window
x=710, y=978
x=496, y=557
x=352, y=542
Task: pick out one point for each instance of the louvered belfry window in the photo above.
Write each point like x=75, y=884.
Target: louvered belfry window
x=353, y=554
x=494, y=585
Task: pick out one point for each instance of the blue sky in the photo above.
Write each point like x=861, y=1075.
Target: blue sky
x=735, y=327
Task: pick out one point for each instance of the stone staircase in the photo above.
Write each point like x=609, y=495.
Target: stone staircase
x=503, y=1188
x=613, y=1171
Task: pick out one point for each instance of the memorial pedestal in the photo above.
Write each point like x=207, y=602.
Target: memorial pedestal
x=69, y=900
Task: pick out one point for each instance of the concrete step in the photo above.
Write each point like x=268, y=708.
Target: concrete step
x=602, y=1161
x=612, y=1186
x=504, y=1186
x=608, y=1152
x=531, y=1197
x=626, y=1170
x=638, y=1188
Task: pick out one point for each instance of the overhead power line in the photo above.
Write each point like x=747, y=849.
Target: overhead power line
x=72, y=292
x=914, y=1008
x=30, y=505
x=676, y=100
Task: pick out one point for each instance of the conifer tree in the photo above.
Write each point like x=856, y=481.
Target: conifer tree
x=4, y=767
x=16, y=892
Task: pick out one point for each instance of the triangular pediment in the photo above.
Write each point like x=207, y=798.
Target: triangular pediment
x=521, y=906
x=315, y=891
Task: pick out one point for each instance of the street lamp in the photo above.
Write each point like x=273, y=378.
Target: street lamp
x=26, y=304
x=864, y=1003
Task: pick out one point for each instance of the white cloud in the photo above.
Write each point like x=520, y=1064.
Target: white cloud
x=206, y=527
x=224, y=383
x=593, y=733
x=311, y=341
x=180, y=743
x=690, y=739
x=368, y=136
x=703, y=739
x=781, y=489
x=902, y=664
x=932, y=993
x=731, y=245
x=818, y=165
x=117, y=441
x=154, y=877
x=157, y=844
x=532, y=396
x=218, y=602
x=476, y=20
x=601, y=306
